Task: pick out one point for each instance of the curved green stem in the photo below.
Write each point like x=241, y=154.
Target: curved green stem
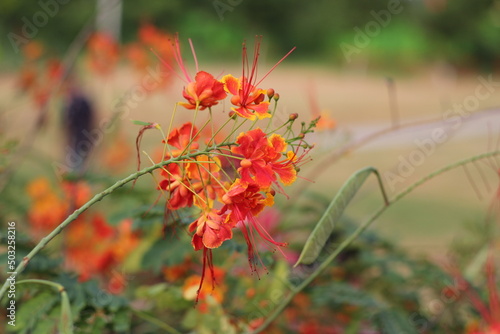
x=58, y=286
x=361, y=228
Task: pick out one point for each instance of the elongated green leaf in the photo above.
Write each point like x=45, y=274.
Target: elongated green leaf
x=66, y=321
x=142, y=123
x=32, y=310
x=327, y=222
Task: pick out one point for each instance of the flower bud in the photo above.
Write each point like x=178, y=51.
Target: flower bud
x=226, y=199
x=232, y=114
x=235, y=100
x=270, y=93
x=245, y=163
x=301, y=136
x=276, y=97
x=293, y=116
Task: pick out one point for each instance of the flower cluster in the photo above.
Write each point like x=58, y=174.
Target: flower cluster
x=229, y=181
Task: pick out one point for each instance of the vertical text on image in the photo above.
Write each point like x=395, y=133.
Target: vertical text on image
x=11, y=267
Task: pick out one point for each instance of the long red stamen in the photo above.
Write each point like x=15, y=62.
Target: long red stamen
x=245, y=85
x=194, y=55
x=178, y=59
x=207, y=261
x=272, y=68
x=168, y=66
x=473, y=296
x=256, y=54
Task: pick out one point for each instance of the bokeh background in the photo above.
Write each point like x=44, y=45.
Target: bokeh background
x=412, y=65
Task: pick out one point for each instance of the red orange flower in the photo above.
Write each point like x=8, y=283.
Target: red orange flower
x=180, y=138
x=243, y=202
x=204, y=92
x=263, y=158
x=248, y=100
x=212, y=229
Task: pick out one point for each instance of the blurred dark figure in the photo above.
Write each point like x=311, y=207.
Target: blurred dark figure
x=78, y=124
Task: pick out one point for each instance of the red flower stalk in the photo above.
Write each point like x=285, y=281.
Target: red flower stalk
x=263, y=159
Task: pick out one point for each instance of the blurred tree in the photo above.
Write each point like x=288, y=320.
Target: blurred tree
x=458, y=31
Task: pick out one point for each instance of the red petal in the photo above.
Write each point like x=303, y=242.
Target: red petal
x=197, y=242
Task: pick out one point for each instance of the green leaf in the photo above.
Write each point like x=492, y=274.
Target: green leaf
x=164, y=252
x=343, y=293
x=66, y=321
x=328, y=221
x=393, y=322
x=122, y=321
x=48, y=324
x=32, y=310
x=142, y=123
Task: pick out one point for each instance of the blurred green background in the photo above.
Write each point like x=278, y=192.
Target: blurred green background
x=461, y=32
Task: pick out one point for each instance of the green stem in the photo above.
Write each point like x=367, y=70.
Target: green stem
x=360, y=230
x=58, y=286
x=272, y=116
x=20, y=268
x=156, y=322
